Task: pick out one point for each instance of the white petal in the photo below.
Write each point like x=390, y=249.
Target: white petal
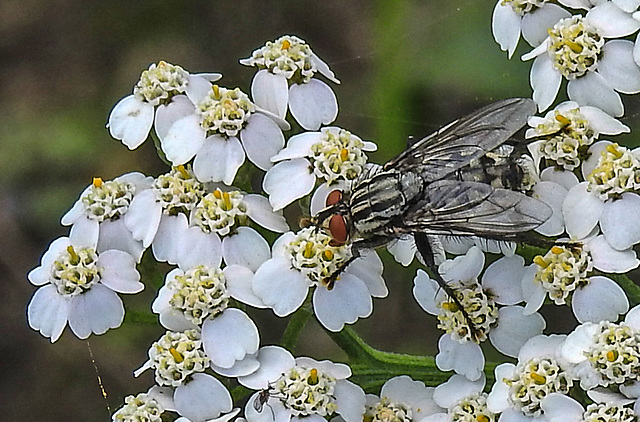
x=183, y=140
x=260, y=211
x=633, y=317
x=593, y=90
x=166, y=115
x=143, y=216
x=270, y=92
x=618, y=68
x=425, y=291
x=610, y=260
x=620, y=223
x=313, y=104
x=75, y=212
x=299, y=146
x=166, y=245
x=505, y=26
x=241, y=368
x=85, y=233
x=48, y=311
x=455, y=389
x=199, y=86
x=323, y=68
x=95, y=311
x=636, y=50
x=404, y=389
x=581, y=210
x=195, y=247
x=344, y=304
x=560, y=408
x=503, y=279
x=514, y=329
x=280, y=287
x=350, y=401
x=274, y=361
x=202, y=398
x=115, y=235
x=403, y=250
x=536, y=24
x=611, y=21
x=564, y=178
x=628, y=6
x=532, y=291
x=319, y=197
x=545, y=81
x=578, y=342
x=219, y=159
x=277, y=182
x=175, y=320
x=229, y=337
x=42, y=274
x=600, y=300
x=463, y=268
x=541, y=346
x=498, y=399
x=130, y=121
x=368, y=268
x=602, y=122
x=553, y=195
x=463, y=358
x=246, y=247
x=118, y=272
x=262, y=139
x=595, y=152
x=239, y=280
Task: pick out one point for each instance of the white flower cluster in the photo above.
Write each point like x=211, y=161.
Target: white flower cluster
x=214, y=235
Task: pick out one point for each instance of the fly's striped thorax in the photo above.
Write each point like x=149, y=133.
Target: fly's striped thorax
x=375, y=201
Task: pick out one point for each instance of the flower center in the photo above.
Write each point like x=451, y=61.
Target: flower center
x=288, y=56
x=533, y=380
x=178, y=191
x=472, y=409
x=574, y=47
x=307, y=391
x=139, y=408
x=618, y=171
x=176, y=356
x=562, y=270
x=387, y=411
x=480, y=308
x=313, y=255
x=107, y=200
x=161, y=82
x=224, y=111
x=199, y=293
x=608, y=412
x=615, y=354
x=565, y=137
x=220, y=211
x=522, y=7
x=75, y=271
x=338, y=155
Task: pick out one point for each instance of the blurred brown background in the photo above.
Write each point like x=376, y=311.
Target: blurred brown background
x=407, y=67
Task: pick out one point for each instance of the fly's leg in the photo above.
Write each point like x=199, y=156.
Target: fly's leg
x=423, y=244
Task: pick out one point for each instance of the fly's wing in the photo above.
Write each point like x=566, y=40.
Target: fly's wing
x=464, y=140
x=451, y=207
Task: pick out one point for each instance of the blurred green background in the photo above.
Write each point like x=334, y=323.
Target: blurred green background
x=407, y=67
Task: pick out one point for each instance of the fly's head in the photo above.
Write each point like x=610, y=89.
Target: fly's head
x=335, y=218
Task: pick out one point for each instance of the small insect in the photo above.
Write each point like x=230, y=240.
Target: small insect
x=458, y=181
x=262, y=399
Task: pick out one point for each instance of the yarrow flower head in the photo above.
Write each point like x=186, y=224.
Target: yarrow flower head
x=401, y=400
x=225, y=111
x=309, y=258
x=332, y=154
x=141, y=407
x=132, y=118
x=576, y=50
x=79, y=286
x=562, y=270
x=618, y=171
x=290, y=61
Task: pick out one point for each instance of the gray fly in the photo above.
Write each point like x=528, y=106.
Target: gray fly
x=462, y=180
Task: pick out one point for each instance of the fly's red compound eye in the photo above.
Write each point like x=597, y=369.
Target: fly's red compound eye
x=338, y=228
x=333, y=198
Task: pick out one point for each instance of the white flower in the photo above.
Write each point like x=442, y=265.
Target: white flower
x=79, y=286
x=519, y=389
x=605, y=353
x=333, y=154
x=308, y=258
x=286, y=80
x=461, y=400
x=131, y=119
x=532, y=18
x=508, y=327
x=179, y=362
x=608, y=407
x=608, y=197
x=220, y=130
x=104, y=205
x=596, y=70
x=143, y=406
x=301, y=389
x=401, y=400
x=564, y=133
x=561, y=273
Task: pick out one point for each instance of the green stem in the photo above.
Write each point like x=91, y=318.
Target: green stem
x=295, y=326
x=631, y=288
